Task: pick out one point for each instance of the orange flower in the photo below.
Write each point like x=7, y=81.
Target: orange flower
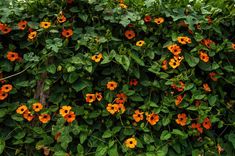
x=147, y=19
x=138, y=116
x=206, y=87
x=219, y=149
x=67, y=33
x=22, y=25
x=98, y=96
x=184, y=40
x=174, y=63
x=133, y=82
x=45, y=25
x=207, y=43
x=112, y=108
x=129, y=34
x=44, y=118
x=6, y=88
x=140, y=43
x=197, y=126
x=131, y=142
x=65, y=110
x=174, y=49
x=70, y=117
x=212, y=76
x=90, y=98
x=28, y=116
x=152, y=118
x=12, y=56
x=111, y=85
x=97, y=58
x=197, y=103
x=159, y=20
x=21, y=109
x=178, y=58
x=203, y=56
x=121, y=108
x=179, y=99
x=164, y=65
x=121, y=98
x=182, y=119
x=178, y=88
x=233, y=46
x=32, y=35
x=3, y=95
x=206, y=123
x=5, y=29
x=61, y=18
x=37, y=107
x=209, y=19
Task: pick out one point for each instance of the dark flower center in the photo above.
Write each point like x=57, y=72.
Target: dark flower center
x=67, y=33
x=66, y=111
x=138, y=115
x=22, y=109
x=112, y=107
x=131, y=142
x=37, y=106
x=12, y=55
x=45, y=116
x=151, y=118
x=69, y=116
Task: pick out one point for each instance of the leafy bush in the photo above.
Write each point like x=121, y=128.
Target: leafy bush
x=133, y=77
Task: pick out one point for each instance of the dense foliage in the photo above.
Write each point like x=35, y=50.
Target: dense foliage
x=127, y=77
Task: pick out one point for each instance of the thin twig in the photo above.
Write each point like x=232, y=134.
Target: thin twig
x=14, y=74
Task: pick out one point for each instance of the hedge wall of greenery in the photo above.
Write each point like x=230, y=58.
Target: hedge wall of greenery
x=117, y=77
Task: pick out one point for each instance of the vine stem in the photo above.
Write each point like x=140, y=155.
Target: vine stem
x=14, y=74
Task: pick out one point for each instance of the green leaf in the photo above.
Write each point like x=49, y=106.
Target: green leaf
x=148, y=138
x=212, y=100
x=179, y=132
x=135, y=57
x=83, y=137
x=231, y=138
x=80, y=85
x=3, y=112
x=60, y=153
x=73, y=77
x=165, y=135
x=80, y=149
x=51, y=69
x=191, y=60
x=113, y=151
x=101, y=150
x=107, y=134
x=123, y=60
x=2, y=145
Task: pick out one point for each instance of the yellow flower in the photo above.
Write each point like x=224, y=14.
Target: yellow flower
x=32, y=35
x=97, y=57
x=21, y=109
x=123, y=6
x=174, y=63
x=45, y=25
x=159, y=20
x=140, y=43
x=131, y=142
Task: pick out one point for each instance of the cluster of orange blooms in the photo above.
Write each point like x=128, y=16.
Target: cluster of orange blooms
x=182, y=118
x=22, y=25
x=68, y=115
x=37, y=107
x=4, y=91
x=65, y=112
